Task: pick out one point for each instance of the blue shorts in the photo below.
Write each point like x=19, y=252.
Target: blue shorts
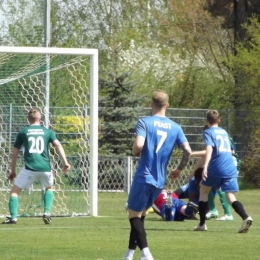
x=176, y=207
x=142, y=196
x=226, y=184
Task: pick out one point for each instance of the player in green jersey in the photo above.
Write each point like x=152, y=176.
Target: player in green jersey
x=35, y=140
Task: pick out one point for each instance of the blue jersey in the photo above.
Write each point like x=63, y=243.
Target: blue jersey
x=161, y=135
x=221, y=163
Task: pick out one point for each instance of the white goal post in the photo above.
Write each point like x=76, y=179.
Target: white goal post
x=30, y=86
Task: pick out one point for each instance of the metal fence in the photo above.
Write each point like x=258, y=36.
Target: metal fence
x=192, y=120
x=114, y=172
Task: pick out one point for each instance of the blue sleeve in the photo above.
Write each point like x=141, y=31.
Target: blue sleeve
x=208, y=139
x=140, y=129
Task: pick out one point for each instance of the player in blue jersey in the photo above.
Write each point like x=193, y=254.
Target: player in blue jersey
x=213, y=212
x=156, y=137
x=35, y=140
x=219, y=171
x=225, y=205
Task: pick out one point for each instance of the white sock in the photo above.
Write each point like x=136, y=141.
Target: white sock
x=130, y=253
x=145, y=251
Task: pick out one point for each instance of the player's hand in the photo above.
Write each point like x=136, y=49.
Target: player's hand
x=204, y=174
x=11, y=176
x=175, y=174
x=66, y=167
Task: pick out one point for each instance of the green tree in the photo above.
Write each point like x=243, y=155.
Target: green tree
x=119, y=110
x=23, y=23
x=245, y=67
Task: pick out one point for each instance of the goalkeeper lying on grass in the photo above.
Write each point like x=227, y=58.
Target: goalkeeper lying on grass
x=171, y=208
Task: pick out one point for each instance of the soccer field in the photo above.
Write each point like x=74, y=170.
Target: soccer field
x=106, y=237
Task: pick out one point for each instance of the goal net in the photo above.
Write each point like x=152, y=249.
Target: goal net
x=63, y=83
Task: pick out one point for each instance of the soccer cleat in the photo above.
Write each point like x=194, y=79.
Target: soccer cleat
x=9, y=221
x=127, y=258
x=225, y=217
x=149, y=257
x=245, y=225
x=46, y=219
x=194, y=206
x=212, y=214
x=201, y=228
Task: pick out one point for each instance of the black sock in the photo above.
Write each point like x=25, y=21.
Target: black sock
x=137, y=227
x=202, y=210
x=132, y=241
x=239, y=209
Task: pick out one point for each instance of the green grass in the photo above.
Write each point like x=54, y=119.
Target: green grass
x=106, y=237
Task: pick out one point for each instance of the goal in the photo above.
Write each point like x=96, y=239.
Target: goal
x=63, y=83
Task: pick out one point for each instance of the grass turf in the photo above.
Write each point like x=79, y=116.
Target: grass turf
x=106, y=237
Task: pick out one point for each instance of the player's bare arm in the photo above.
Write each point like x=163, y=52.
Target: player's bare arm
x=61, y=152
x=198, y=153
x=12, y=174
x=185, y=156
x=208, y=154
x=138, y=145
x=199, y=164
x=184, y=161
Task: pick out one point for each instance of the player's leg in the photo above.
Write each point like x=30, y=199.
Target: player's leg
x=46, y=180
x=239, y=209
x=136, y=211
x=186, y=209
x=213, y=212
x=24, y=179
x=13, y=205
x=203, y=206
x=205, y=187
x=132, y=243
x=230, y=186
x=48, y=200
x=225, y=205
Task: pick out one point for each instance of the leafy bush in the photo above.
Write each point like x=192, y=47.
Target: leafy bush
x=251, y=163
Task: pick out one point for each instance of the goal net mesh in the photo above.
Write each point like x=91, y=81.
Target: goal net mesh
x=60, y=86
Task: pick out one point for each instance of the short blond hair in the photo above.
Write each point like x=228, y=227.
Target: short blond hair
x=160, y=98
x=213, y=117
x=34, y=115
